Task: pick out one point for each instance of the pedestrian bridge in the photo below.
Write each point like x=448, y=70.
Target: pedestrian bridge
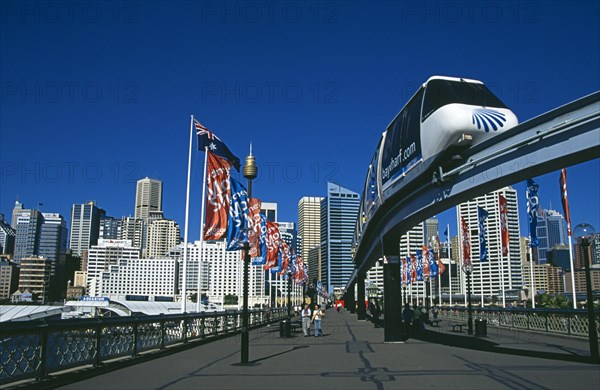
x=350, y=355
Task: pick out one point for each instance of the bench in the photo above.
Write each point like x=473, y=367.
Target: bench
x=435, y=323
x=457, y=326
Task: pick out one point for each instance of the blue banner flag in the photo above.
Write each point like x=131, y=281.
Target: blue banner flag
x=208, y=140
x=262, y=258
x=433, y=267
x=533, y=203
x=419, y=254
x=408, y=271
x=482, y=215
x=237, y=230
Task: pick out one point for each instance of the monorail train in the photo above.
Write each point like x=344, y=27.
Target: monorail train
x=443, y=118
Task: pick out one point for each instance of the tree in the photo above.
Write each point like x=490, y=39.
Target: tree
x=230, y=299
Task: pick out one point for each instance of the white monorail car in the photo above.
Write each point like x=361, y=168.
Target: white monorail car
x=443, y=117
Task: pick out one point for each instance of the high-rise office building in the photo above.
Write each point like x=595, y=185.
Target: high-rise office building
x=488, y=275
x=27, y=224
x=431, y=230
x=7, y=238
x=35, y=276
x=148, y=197
x=163, y=235
x=134, y=230
x=551, y=230
x=53, y=238
x=9, y=277
x=109, y=228
x=17, y=210
x=269, y=209
x=85, y=227
x=309, y=234
x=339, y=211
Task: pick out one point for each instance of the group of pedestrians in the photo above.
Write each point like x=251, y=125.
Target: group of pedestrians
x=414, y=319
x=313, y=317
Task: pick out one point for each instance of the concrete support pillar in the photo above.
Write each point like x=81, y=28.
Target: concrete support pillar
x=361, y=310
x=392, y=290
x=351, y=305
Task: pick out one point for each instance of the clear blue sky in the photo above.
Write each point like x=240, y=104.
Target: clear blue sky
x=98, y=95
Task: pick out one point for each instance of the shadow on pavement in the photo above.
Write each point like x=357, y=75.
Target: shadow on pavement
x=482, y=344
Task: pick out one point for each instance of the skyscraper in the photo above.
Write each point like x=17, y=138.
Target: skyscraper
x=27, y=224
x=487, y=276
x=163, y=235
x=339, y=211
x=551, y=230
x=85, y=227
x=269, y=210
x=148, y=197
x=7, y=238
x=309, y=233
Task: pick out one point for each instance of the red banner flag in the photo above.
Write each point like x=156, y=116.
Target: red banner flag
x=217, y=200
x=504, y=235
x=273, y=241
x=403, y=271
x=286, y=256
x=425, y=262
x=466, y=242
x=413, y=268
x=563, y=196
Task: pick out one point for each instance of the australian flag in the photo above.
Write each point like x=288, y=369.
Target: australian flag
x=533, y=203
x=208, y=139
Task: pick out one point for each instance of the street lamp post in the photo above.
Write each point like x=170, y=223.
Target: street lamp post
x=289, y=296
x=584, y=233
x=467, y=269
x=250, y=172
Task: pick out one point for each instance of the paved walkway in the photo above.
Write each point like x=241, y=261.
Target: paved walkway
x=352, y=355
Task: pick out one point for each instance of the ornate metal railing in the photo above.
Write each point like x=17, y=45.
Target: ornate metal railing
x=556, y=321
x=35, y=349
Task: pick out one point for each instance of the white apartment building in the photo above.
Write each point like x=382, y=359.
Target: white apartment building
x=221, y=273
x=103, y=255
x=142, y=277
x=488, y=277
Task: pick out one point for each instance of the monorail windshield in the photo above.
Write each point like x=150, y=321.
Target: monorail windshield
x=442, y=92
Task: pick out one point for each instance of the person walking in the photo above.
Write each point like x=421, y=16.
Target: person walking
x=317, y=316
x=306, y=317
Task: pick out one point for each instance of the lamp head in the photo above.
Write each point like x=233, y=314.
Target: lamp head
x=584, y=233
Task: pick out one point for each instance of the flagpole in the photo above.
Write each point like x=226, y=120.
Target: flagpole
x=199, y=286
x=187, y=214
x=501, y=253
x=572, y=272
x=449, y=263
x=531, y=273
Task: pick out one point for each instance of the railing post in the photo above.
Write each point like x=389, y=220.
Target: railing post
x=42, y=369
x=163, y=332
x=184, y=336
x=97, y=360
x=134, y=341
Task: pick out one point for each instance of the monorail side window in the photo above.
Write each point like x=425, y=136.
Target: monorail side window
x=439, y=93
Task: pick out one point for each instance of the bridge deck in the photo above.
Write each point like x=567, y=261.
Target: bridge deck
x=352, y=355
